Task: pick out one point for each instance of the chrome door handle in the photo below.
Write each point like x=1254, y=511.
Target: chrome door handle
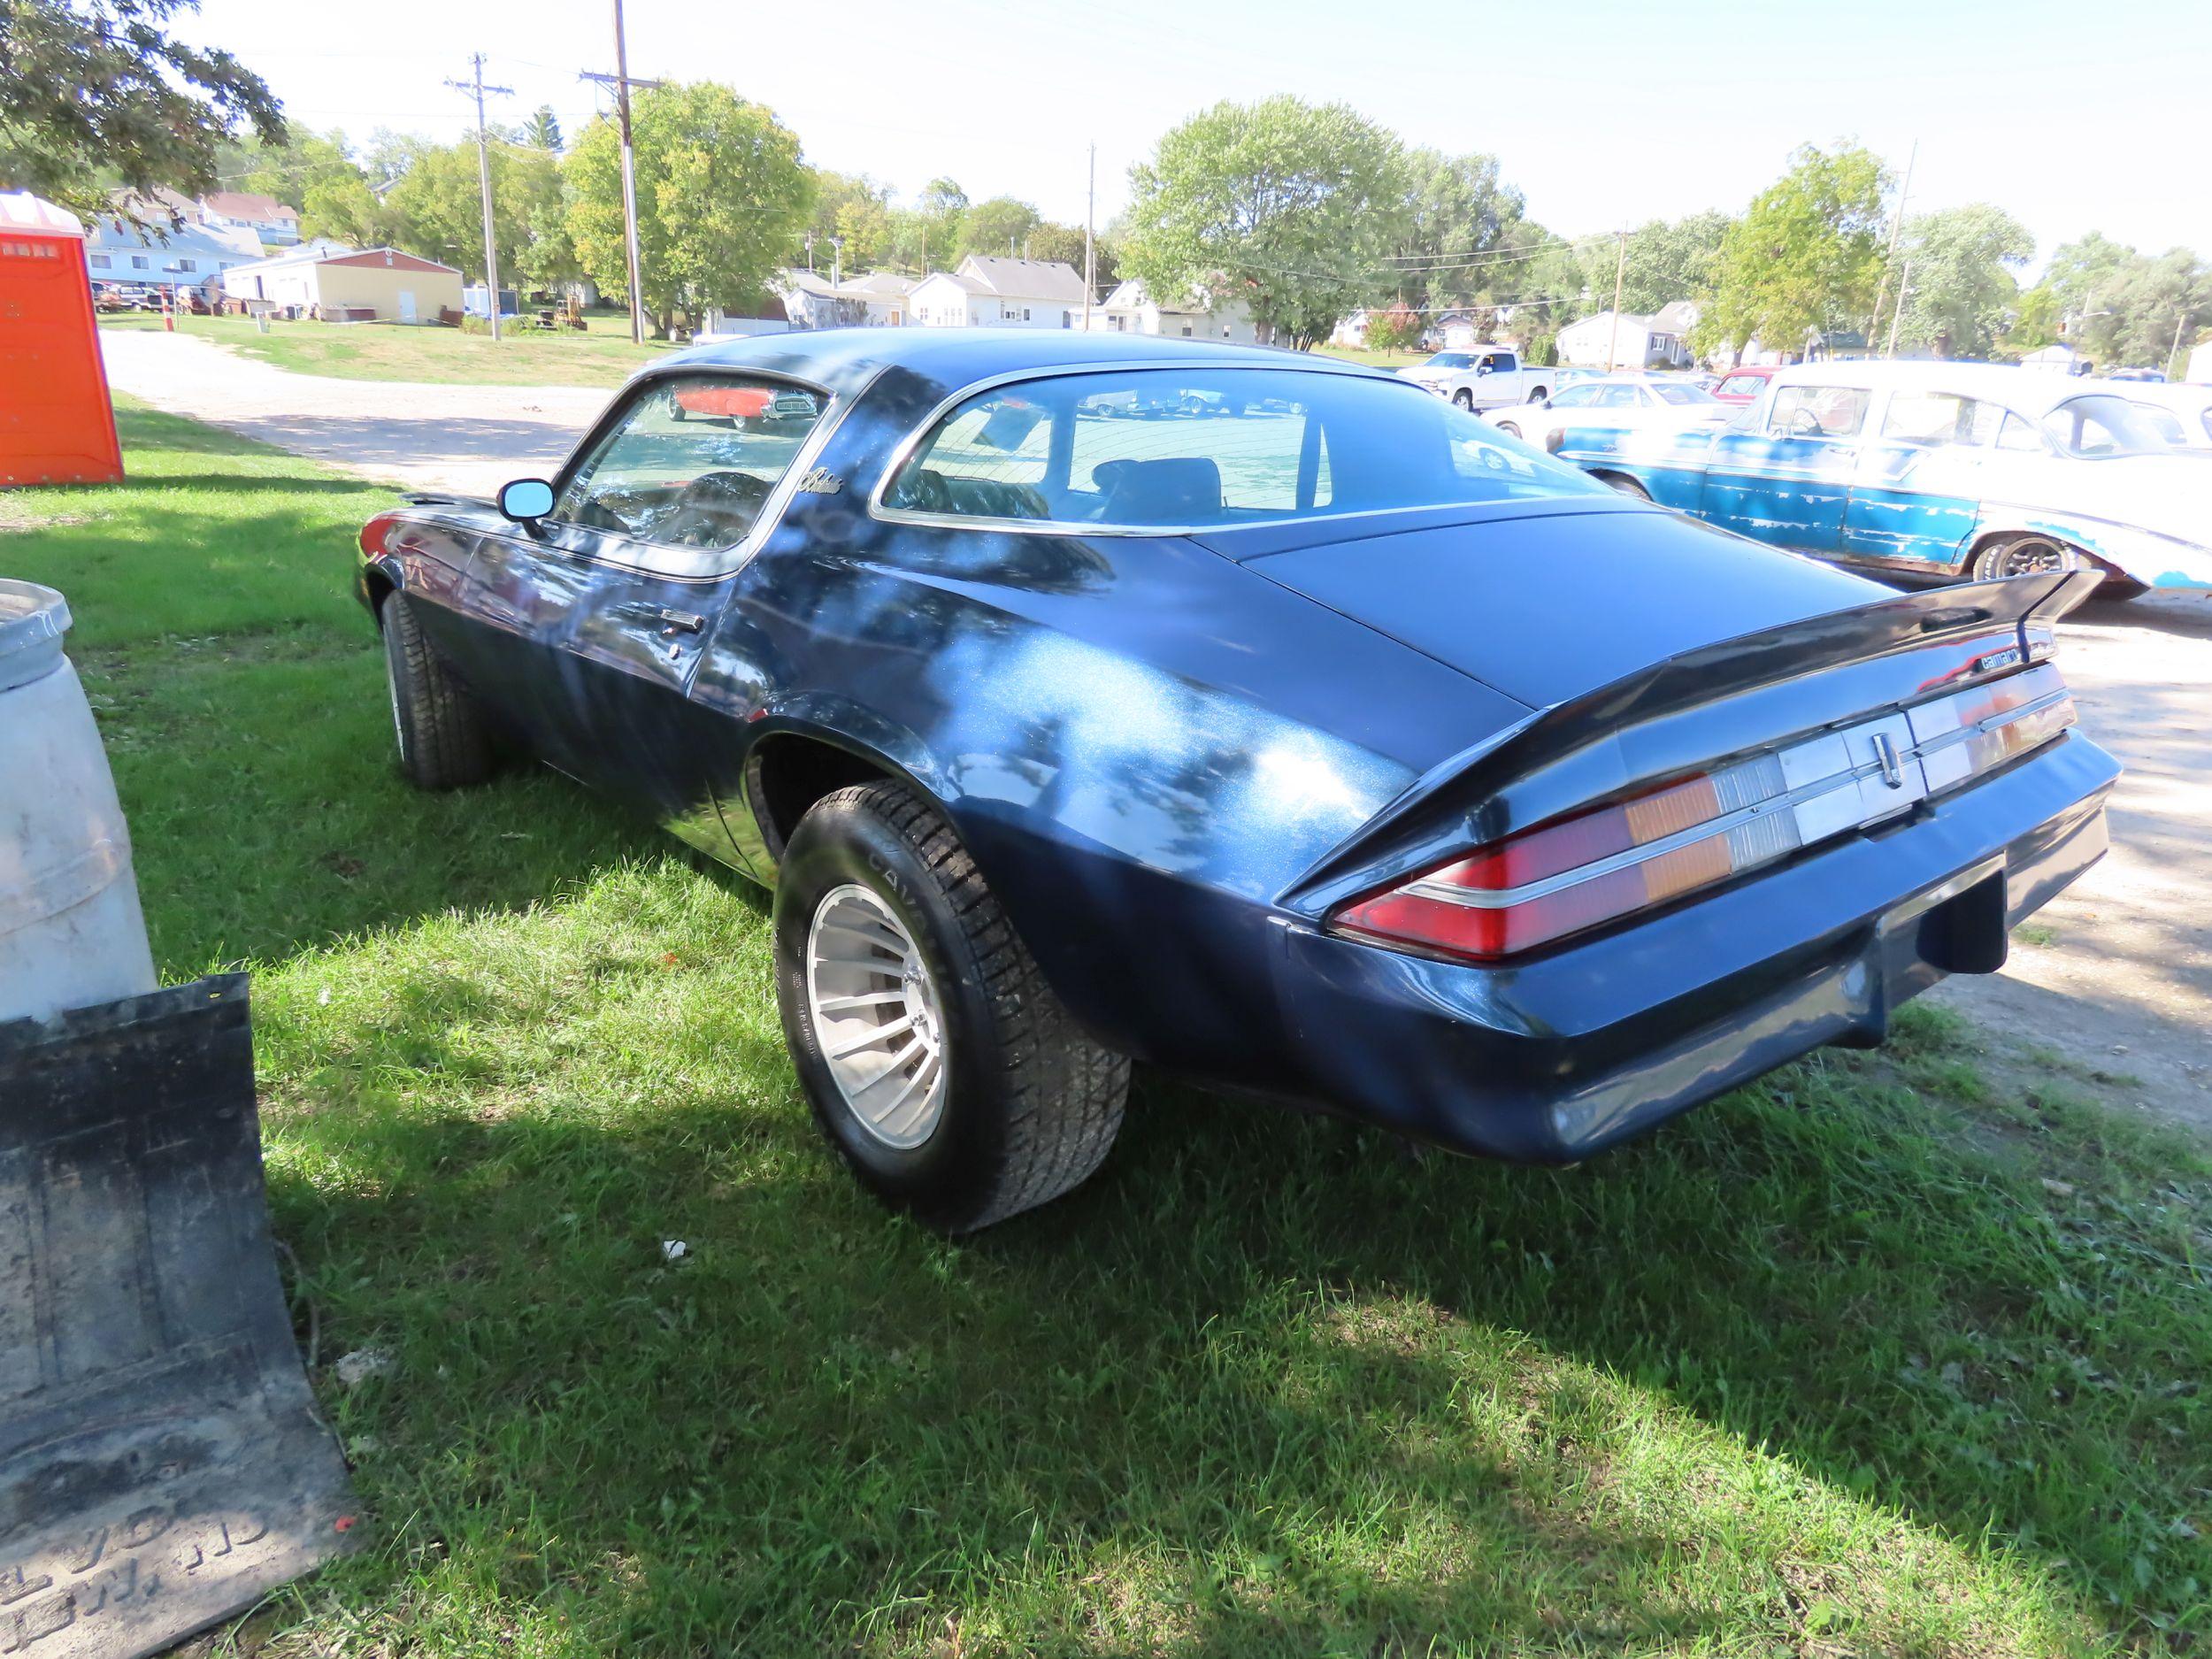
x=669, y=621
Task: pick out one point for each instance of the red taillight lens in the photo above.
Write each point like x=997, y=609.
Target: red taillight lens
x=376, y=531
x=1627, y=856
x=1469, y=907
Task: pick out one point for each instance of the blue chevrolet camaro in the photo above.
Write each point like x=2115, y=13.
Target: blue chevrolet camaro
x=1086, y=698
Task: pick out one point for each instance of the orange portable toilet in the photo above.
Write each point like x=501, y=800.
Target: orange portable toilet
x=56, y=425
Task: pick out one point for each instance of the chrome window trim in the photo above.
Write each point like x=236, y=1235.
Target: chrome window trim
x=913, y=441
x=1501, y=898
x=697, y=564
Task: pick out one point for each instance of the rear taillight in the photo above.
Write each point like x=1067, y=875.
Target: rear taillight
x=376, y=531
x=1579, y=871
x=1634, y=854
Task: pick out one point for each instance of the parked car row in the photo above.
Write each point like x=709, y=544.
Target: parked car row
x=1334, y=746
x=1948, y=471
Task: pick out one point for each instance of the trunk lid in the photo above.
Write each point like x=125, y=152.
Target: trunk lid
x=1545, y=601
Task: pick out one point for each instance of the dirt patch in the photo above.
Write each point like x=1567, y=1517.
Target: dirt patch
x=2113, y=981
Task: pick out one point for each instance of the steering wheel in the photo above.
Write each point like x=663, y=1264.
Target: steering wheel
x=1805, y=423
x=714, y=507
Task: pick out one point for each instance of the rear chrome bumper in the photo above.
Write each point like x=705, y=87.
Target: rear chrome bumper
x=1555, y=1058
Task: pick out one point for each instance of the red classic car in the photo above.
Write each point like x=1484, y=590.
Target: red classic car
x=740, y=405
x=1743, y=385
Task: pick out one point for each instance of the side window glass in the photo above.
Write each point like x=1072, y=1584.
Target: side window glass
x=1818, y=411
x=1573, y=397
x=692, y=461
x=1936, y=418
x=2015, y=434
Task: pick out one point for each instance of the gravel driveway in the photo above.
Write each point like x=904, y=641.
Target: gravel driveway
x=469, y=439
x=2115, y=977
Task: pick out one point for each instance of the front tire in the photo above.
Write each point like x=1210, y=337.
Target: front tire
x=445, y=743
x=1463, y=399
x=938, y=1062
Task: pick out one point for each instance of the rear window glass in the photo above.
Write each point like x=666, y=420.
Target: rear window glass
x=1164, y=448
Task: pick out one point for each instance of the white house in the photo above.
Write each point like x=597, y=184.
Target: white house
x=886, y=296
x=988, y=290
x=1350, y=330
x=275, y=223
x=1131, y=309
x=189, y=256
x=1656, y=342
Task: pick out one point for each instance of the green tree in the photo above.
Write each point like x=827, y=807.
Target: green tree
x=1290, y=207
x=1463, y=232
x=1663, y=260
x=1065, y=243
x=527, y=184
x=2034, y=323
x=722, y=196
x=94, y=92
x=2157, y=303
x=998, y=226
x=2119, y=307
x=541, y=131
x=1958, y=264
x=854, y=209
x=1804, y=259
x=314, y=173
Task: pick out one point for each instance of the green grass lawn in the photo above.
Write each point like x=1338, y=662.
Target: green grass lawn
x=602, y=356
x=1374, y=359
x=1870, y=1358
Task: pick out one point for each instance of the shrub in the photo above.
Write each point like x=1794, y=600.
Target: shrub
x=1396, y=328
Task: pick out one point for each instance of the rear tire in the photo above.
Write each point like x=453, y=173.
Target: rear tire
x=2027, y=555
x=1026, y=1106
x=444, y=741
x=1508, y=428
x=1539, y=395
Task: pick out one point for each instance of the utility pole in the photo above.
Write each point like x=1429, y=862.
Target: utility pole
x=1897, y=312
x=621, y=82
x=837, y=262
x=484, y=178
x=1090, y=248
x=810, y=252
x=1620, y=275
x=2180, y=323
x=1896, y=228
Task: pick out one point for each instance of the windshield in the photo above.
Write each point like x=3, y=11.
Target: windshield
x=2101, y=425
x=1448, y=360
x=1685, y=394
x=1157, y=449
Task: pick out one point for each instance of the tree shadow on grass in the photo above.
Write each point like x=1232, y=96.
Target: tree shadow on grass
x=1261, y=1386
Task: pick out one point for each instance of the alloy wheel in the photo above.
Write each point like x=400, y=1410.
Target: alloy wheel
x=876, y=1016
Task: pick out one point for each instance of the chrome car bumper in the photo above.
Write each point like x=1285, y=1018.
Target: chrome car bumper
x=1554, y=1058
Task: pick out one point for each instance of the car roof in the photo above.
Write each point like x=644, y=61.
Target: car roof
x=845, y=359
x=2034, y=391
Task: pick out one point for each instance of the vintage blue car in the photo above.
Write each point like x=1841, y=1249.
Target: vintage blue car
x=1260, y=717
x=1934, y=470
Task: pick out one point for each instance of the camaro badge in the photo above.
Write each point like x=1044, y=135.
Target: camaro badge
x=1885, y=757
x=821, y=481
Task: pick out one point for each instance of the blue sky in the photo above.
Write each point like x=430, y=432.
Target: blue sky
x=2075, y=116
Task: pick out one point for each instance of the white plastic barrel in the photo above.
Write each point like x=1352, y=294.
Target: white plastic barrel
x=70, y=933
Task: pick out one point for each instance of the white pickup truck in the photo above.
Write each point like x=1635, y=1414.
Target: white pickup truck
x=1482, y=377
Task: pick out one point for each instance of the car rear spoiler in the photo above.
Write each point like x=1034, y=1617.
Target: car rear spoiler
x=1695, y=708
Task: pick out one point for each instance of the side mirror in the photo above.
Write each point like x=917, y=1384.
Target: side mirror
x=527, y=500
